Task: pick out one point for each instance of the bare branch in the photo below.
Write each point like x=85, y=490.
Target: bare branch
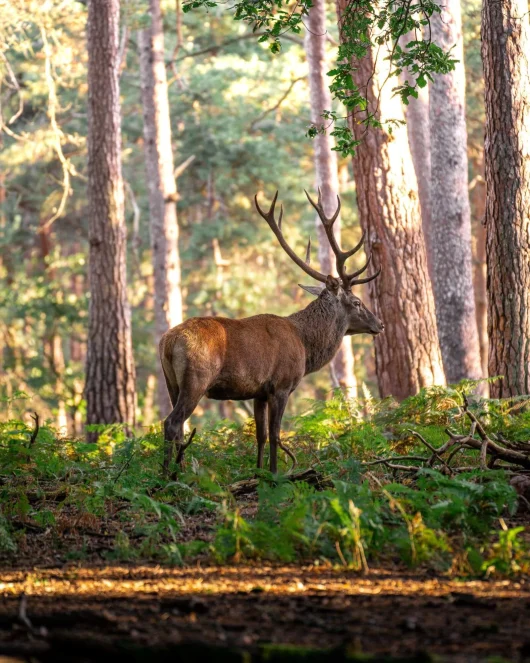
x=67, y=167
x=182, y=166
x=35, y=431
x=229, y=42
x=276, y=105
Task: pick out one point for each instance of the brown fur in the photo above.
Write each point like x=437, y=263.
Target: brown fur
x=263, y=357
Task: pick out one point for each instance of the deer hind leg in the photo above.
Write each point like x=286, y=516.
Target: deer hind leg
x=173, y=391
x=277, y=405
x=188, y=397
x=260, y=416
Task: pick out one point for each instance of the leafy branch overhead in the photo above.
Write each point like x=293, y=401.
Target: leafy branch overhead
x=364, y=26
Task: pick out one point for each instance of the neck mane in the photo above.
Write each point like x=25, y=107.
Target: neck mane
x=321, y=328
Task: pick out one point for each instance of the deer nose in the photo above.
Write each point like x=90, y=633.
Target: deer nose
x=382, y=327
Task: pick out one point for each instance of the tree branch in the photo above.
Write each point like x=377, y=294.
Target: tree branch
x=229, y=42
x=276, y=105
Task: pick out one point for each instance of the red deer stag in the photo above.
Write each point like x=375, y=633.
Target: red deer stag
x=263, y=357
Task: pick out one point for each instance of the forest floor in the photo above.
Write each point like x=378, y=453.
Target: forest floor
x=54, y=609
x=395, y=554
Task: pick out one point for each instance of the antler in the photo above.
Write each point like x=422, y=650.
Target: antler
x=341, y=256
x=276, y=227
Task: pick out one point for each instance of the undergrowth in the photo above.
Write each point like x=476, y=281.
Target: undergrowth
x=66, y=499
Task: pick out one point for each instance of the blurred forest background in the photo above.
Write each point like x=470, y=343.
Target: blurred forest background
x=239, y=118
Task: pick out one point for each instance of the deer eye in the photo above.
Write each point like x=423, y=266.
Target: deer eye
x=357, y=304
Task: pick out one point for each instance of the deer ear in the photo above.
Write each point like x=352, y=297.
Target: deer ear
x=312, y=289
x=333, y=284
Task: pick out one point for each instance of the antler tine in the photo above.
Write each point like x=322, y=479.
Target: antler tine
x=268, y=216
x=326, y=221
x=357, y=246
x=277, y=230
x=363, y=269
x=328, y=226
x=308, y=251
x=340, y=255
x=337, y=212
x=365, y=280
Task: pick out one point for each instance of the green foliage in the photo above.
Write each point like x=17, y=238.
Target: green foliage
x=365, y=26
x=469, y=503
x=508, y=555
x=114, y=490
x=7, y=545
x=272, y=18
x=352, y=523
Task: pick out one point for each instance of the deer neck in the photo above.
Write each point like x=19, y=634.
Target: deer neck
x=321, y=327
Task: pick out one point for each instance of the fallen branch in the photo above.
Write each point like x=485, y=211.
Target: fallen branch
x=310, y=476
x=429, y=446
x=515, y=454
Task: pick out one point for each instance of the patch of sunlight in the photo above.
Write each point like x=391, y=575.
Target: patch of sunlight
x=278, y=580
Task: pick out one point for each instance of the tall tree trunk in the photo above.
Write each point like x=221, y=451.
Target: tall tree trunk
x=326, y=173
x=478, y=210
x=505, y=56
x=418, y=132
x=162, y=186
x=52, y=342
x=450, y=232
x=110, y=373
x=407, y=353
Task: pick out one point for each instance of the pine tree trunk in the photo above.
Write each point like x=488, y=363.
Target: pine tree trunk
x=342, y=366
x=110, y=373
x=407, y=353
x=418, y=132
x=450, y=231
x=505, y=57
x=162, y=186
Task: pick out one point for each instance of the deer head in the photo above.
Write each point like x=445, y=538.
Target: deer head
x=336, y=291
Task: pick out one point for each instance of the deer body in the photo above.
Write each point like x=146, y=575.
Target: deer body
x=233, y=359
x=262, y=357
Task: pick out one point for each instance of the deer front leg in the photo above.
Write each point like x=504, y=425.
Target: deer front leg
x=277, y=405
x=260, y=417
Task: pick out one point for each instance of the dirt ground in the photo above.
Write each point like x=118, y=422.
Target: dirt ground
x=251, y=613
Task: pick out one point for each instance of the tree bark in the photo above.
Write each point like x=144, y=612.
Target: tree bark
x=450, y=232
x=162, y=186
x=505, y=56
x=407, y=353
x=326, y=169
x=110, y=373
x=418, y=132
